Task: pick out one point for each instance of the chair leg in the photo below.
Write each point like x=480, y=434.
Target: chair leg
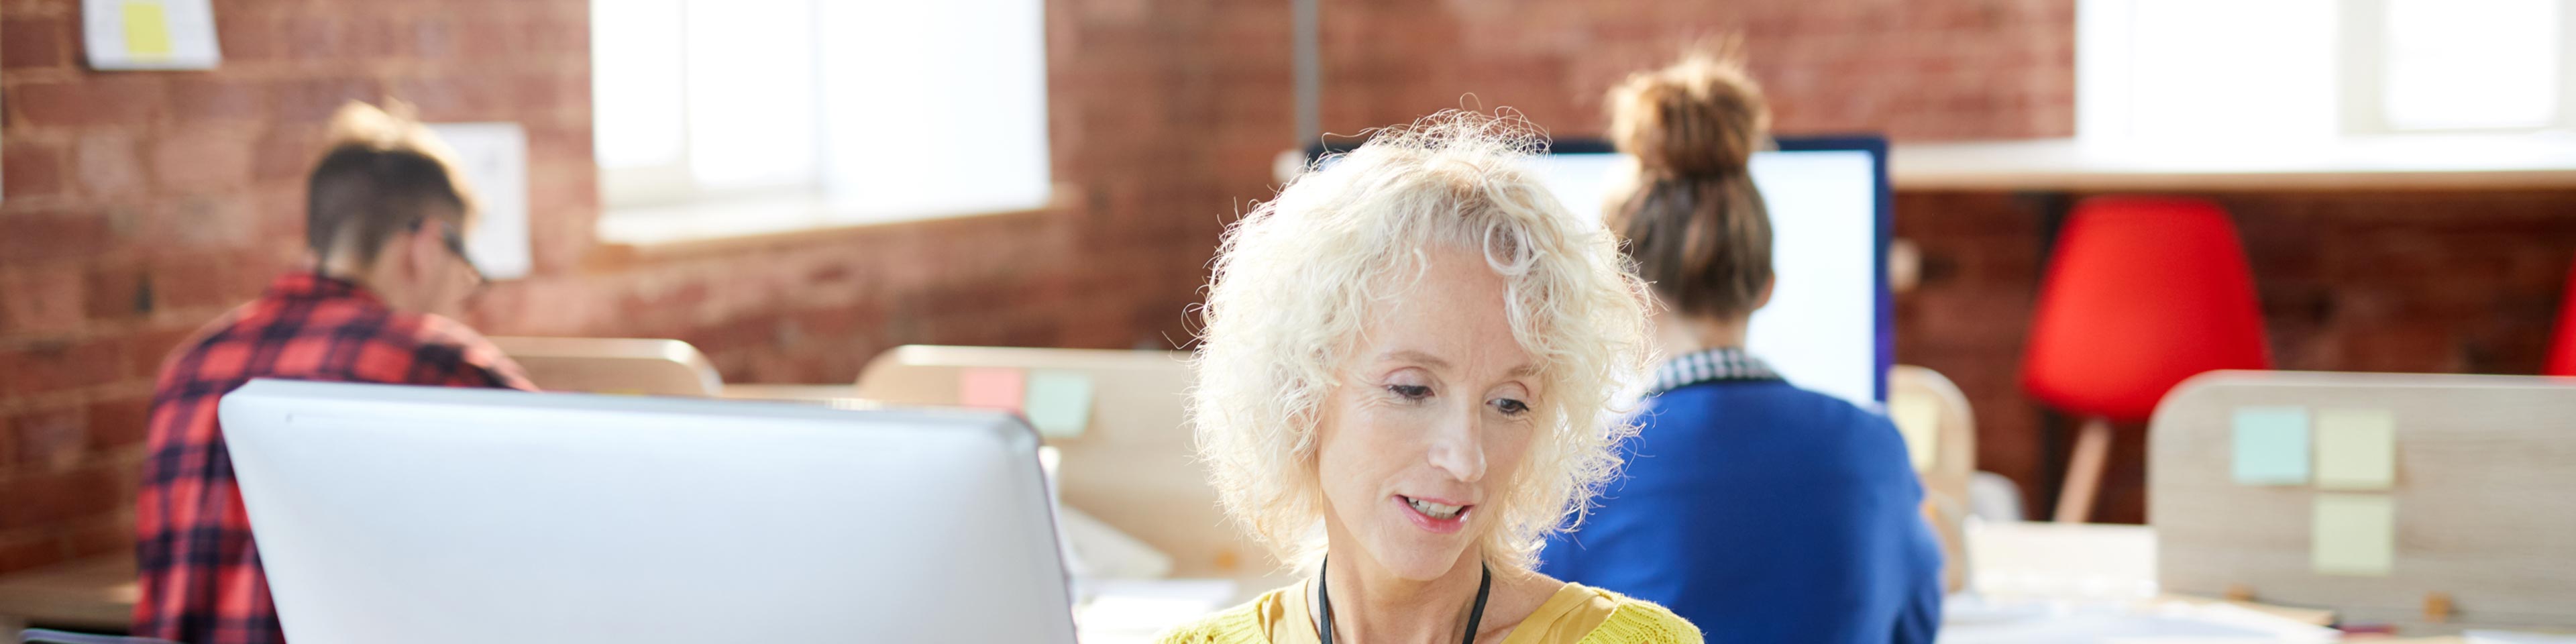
x=2084, y=472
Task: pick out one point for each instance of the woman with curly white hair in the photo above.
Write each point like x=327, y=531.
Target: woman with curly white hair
x=1406, y=382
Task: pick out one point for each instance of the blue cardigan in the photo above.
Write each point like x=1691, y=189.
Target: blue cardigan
x=1762, y=512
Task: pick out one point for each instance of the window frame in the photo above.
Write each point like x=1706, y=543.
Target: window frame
x=2105, y=109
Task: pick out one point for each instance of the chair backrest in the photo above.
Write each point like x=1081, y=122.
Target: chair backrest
x=2367, y=492
x=2140, y=293
x=1941, y=436
x=638, y=366
x=1133, y=468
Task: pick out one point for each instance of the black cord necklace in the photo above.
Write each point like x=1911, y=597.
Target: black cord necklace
x=1475, y=615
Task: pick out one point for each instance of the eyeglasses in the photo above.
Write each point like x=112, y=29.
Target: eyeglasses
x=455, y=241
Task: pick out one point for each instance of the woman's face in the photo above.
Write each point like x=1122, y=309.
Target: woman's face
x=1431, y=418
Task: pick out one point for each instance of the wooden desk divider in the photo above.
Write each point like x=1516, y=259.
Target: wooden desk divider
x=2449, y=501
x=634, y=366
x=1131, y=464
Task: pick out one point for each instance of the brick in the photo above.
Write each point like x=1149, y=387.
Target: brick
x=41, y=499
x=314, y=99
x=200, y=222
x=106, y=166
x=433, y=38
x=40, y=300
x=286, y=153
x=200, y=160
x=249, y=35
x=32, y=169
x=27, y=549
x=193, y=280
x=30, y=42
x=453, y=98
x=317, y=36
x=204, y=99
x=120, y=423
x=94, y=100
x=150, y=348
x=44, y=235
x=116, y=291
x=45, y=367
x=50, y=439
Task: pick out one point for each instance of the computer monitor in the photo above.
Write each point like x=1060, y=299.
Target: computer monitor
x=1830, y=326
x=394, y=514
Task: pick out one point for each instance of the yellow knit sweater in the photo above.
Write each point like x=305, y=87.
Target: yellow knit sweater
x=1577, y=614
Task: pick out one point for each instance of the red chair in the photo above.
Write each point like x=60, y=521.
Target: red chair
x=2562, y=351
x=2141, y=293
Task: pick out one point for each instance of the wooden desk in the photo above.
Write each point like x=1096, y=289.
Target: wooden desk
x=94, y=594
x=2411, y=162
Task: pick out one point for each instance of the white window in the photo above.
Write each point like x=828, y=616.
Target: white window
x=2162, y=70
x=737, y=117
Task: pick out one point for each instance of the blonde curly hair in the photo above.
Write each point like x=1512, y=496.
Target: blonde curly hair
x=1296, y=280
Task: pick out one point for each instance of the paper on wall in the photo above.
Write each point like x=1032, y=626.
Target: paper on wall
x=149, y=34
x=494, y=159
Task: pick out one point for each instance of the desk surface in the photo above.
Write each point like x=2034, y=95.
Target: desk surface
x=89, y=593
x=2413, y=162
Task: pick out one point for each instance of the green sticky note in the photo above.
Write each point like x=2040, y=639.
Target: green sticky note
x=147, y=29
x=2354, y=535
x=1059, y=402
x=2271, y=446
x=2356, y=449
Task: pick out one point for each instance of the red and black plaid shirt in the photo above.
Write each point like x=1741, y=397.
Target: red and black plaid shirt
x=201, y=578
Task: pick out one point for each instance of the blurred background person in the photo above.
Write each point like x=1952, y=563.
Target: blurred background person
x=1758, y=510
x=384, y=216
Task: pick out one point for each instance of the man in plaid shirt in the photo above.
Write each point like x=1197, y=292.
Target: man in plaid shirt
x=385, y=215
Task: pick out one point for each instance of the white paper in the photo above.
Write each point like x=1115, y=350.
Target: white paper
x=183, y=39
x=494, y=158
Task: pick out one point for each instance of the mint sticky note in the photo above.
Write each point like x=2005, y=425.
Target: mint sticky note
x=147, y=29
x=2353, y=535
x=990, y=388
x=2356, y=449
x=2271, y=446
x=1059, y=402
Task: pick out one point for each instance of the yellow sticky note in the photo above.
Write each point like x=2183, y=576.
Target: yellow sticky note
x=2353, y=535
x=147, y=29
x=1059, y=402
x=1918, y=418
x=2356, y=449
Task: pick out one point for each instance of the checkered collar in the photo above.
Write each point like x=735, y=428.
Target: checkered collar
x=1713, y=365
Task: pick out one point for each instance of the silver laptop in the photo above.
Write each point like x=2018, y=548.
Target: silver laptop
x=396, y=515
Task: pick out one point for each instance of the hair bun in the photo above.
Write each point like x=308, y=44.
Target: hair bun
x=1703, y=116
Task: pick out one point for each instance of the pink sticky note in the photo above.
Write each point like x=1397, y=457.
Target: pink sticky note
x=991, y=388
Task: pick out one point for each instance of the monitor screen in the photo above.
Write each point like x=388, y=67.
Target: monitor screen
x=1826, y=328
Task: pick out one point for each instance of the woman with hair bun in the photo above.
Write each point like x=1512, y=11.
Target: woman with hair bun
x=1759, y=511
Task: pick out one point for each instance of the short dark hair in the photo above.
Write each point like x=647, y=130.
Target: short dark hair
x=383, y=174
x=1694, y=224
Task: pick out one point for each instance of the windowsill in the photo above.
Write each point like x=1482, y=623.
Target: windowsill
x=2389, y=162
x=759, y=216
